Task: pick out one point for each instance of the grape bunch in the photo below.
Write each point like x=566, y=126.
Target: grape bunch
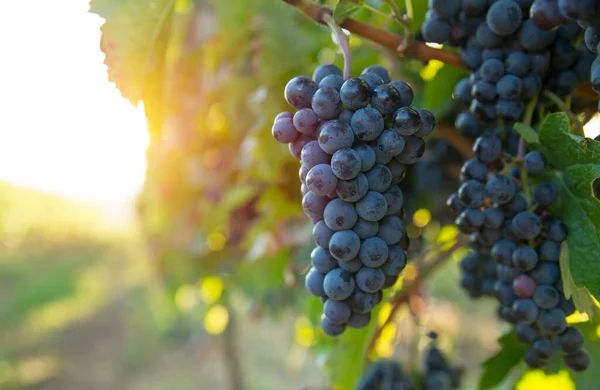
x=524, y=241
x=355, y=139
x=438, y=373
x=511, y=58
x=549, y=14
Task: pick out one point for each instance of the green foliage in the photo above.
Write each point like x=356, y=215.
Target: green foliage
x=134, y=40
x=497, y=367
x=527, y=133
x=345, y=8
x=575, y=161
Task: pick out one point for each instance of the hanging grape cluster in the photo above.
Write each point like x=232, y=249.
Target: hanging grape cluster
x=437, y=373
x=354, y=139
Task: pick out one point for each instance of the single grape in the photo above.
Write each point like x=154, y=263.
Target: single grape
x=330, y=328
x=544, y=348
x=340, y=215
x=359, y=320
x=516, y=205
x=344, y=245
x=365, y=229
x=282, y=115
x=474, y=169
x=525, y=258
x=509, y=110
x=354, y=189
x=284, y=131
x=527, y=333
x=533, y=360
x=552, y=321
x=395, y=200
x=322, y=234
x=471, y=194
x=298, y=144
x=509, y=87
x=414, y=148
x=484, y=91
x=505, y=294
x=501, y=189
x=396, y=261
x=550, y=251
x=406, y=121
x=379, y=71
x=427, y=123
x=405, y=90
x=488, y=148
x=486, y=37
x=391, y=229
x=526, y=225
x=372, y=207
x=462, y=92
x=323, y=71
x=531, y=37
x=546, y=194
x=546, y=14
x=546, y=272
x=381, y=157
x=557, y=231
x=367, y=124
x=337, y=312
x=524, y=286
x=335, y=135
x=314, y=283
x=338, y=284
x=373, y=252
x=502, y=251
x=363, y=302
x=367, y=156
x=346, y=164
x=372, y=80
x=332, y=81
x=517, y=63
x=314, y=205
x=445, y=8
x=436, y=30
x=322, y=260
x=471, y=57
x=386, y=99
x=578, y=361
x=306, y=121
x=546, y=297
x=370, y=279
x=379, y=177
x=321, y=180
x=534, y=162
x=355, y=93
x=468, y=125
x=299, y=92
x=312, y=155
x=390, y=142
x=525, y=311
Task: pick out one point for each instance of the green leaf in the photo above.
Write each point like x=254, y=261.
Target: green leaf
x=578, y=163
x=345, y=8
x=134, y=40
x=528, y=133
x=581, y=296
x=567, y=149
x=496, y=368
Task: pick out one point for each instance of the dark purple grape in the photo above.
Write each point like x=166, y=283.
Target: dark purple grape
x=414, y=148
x=552, y=321
x=370, y=279
x=339, y=284
x=395, y=263
x=322, y=234
x=406, y=121
x=284, y=131
x=525, y=258
x=386, y=99
x=373, y=252
x=322, y=260
x=340, y=215
x=367, y=124
x=359, y=320
x=526, y=225
x=320, y=180
x=546, y=194
x=391, y=229
x=488, y=148
x=363, y=302
x=569, y=341
x=379, y=71
x=390, y=143
x=331, y=329
x=524, y=286
x=546, y=297
x=355, y=94
x=299, y=92
x=352, y=190
x=525, y=311
x=314, y=283
x=546, y=273
x=492, y=70
x=372, y=206
x=504, y=17
x=344, y=245
x=323, y=71
x=501, y=189
x=372, y=80
x=335, y=135
x=471, y=194
x=578, y=361
x=405, y=91
x=314, y=205
x=337, y=312
x=333, y=81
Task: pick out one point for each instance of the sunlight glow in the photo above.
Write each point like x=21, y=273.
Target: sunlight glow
x=64, y=128
x=592, y=128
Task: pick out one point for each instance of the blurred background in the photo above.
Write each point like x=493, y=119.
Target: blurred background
x=161, y=244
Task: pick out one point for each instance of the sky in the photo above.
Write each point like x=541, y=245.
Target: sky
x=63, y=127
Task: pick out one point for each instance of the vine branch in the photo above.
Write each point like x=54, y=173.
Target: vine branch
x=414, y=49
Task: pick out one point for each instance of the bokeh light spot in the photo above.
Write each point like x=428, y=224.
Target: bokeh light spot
x=216, y=319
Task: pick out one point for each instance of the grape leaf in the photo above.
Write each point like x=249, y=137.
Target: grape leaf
x=134, y=40
x=345, y=8
x=581, y=296
x=527, y=132
x=578, y=163
x=496, y=368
